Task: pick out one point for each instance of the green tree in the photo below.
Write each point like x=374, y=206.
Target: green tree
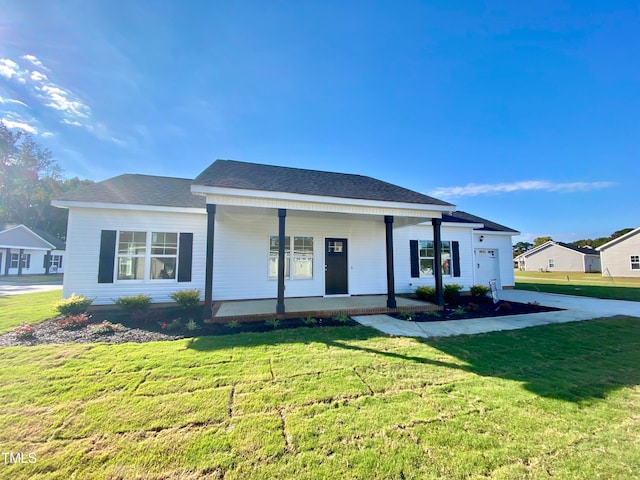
x=29, y=179
x=521, y=247
x=540, y=240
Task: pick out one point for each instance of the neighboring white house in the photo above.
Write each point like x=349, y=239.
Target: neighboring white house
x=25, y=251
x=621, y=256
x=250, y=231
x=555, y=256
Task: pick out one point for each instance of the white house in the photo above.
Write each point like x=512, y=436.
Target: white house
x=555, y=256
x=251, y=231
x=621, y=256
x=25, y=251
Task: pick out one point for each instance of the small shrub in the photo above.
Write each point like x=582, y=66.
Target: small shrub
x=73, y=322
x=186, y=298
x=428, y=294
x=479, y=291
x=272, y=322
x=192, y=325
x=133, y=303
x=173, y=326
x=341, y=318
x=406, y=316
x=459, y=311
x=309, y=320
x=473, y=307
x=105, y=328
x=452, y=292
x=24, y=332
x=505, y=306
x=233, y=324
x=73, y=305
x=432, y=313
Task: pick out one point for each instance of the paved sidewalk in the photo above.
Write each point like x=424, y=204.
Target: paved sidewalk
x=576, y=309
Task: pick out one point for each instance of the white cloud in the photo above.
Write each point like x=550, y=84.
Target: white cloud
x=21, y=125
x=33, y=59
x=12, y=101
x=60, y=99
x=37, y=76
x=8, y=68
x=474, y=189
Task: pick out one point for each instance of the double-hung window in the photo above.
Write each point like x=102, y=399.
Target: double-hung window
x=298, y=266
x=147, y=255
x=164, y=255
x=426, y=255
x=24, y=262
x=635, y=262
x=132, y=247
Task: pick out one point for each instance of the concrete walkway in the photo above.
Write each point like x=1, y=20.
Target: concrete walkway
x=576, y=309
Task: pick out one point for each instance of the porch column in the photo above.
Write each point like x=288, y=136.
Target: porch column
x=391, y=288
x=47, y=262
x=282, y=214
x=20, y=261
x=7, y=261
x=437, y=260
x=208, y=279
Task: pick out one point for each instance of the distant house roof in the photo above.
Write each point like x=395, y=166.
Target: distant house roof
x=21, y=236
x=621, y=238
x=583, y=251
x=464, y=217
x=253, y=176
x=134, y=189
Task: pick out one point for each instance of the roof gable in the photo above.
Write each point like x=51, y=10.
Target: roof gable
x=551, y=243
x=621, y=238
x=253, y=176
x=20, y=236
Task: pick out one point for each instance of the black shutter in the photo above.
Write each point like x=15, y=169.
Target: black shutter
x=46, y=260
x=455, y=254
x=107, y=256
x=185, y=257
x=415, y=260
x=60, y=261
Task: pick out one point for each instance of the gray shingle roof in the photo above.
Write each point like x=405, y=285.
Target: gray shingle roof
x=464, y=217
x=252, y=176
x=139, y=190
x=586, y=251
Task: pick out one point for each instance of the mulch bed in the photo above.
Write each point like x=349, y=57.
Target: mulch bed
x=156, y=325
x=474, y=308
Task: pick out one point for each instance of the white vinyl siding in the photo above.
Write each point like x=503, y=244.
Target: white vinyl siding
x=243, y=250
x=83, y=252
x=621, y=258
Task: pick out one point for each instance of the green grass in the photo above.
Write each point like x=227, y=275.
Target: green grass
x=28, y=308
x=556, y=401
x=583, y=284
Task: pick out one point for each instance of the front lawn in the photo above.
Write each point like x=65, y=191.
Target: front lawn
x=583, y=284
x=556, y=401
x=28, y=308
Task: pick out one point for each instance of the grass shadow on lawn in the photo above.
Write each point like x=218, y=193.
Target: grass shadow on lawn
x=575, y=362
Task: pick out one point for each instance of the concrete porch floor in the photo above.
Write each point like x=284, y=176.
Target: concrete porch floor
x=249, y=310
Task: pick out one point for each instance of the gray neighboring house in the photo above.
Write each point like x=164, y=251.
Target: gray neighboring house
x=555, y=256
x=621, y=256
x=26, y=251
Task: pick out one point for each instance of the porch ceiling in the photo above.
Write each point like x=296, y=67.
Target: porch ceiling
x=399, y=221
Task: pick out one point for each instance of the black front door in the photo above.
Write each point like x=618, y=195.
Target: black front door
x=335, y=268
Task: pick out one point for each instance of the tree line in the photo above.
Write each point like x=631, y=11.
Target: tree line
x=29, y=179
x=521, y=247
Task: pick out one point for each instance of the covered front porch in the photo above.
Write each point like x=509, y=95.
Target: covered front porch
x=252, y=310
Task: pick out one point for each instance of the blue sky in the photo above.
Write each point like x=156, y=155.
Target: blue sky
x=524, y=113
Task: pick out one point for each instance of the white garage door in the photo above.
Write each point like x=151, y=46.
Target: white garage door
x=487, y=266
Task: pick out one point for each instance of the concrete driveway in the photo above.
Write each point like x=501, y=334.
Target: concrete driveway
x=8, y=287
x=575, y=309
